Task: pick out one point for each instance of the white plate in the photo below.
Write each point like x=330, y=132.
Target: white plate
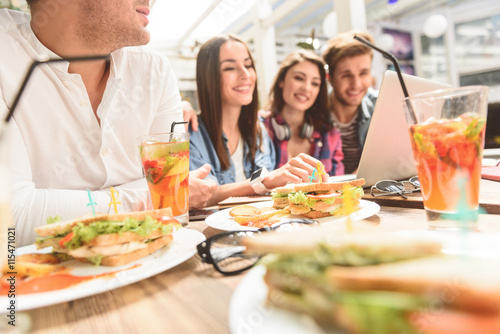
x=182, y=248
x=249, y=314
x=222, y=220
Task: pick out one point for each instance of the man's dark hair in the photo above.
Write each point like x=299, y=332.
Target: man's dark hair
x=344, y=45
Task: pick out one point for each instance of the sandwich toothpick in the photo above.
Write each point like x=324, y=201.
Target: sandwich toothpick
x=91, y=203
x=114, y=199
x=313, y=176
x=321, y=170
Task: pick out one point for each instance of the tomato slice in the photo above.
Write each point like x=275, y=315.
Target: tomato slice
x=67, y=238
x=331, y=194
x=453, y=322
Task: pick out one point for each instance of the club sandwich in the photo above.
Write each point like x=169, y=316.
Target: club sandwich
x=379, y=283
x=111, y=239
x=316, y=200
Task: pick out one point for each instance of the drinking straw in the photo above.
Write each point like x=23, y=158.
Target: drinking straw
x=114, y=199
x=176, y=123
x=172, y=129
x=91, y=203
x=388, y=55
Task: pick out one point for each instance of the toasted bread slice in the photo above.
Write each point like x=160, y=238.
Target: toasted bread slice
x=311, y=301
x=465, y=283
x=327, y=186
x=284, y=190
x=121, y=259
x=117, y=238
x=315, y=214
x=298, y=209
x=376, y=247
x=106, y=239
x=280, y=203
x=66, y=226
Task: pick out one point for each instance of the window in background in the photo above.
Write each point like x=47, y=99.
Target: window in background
x=478, y=45
x=402, y=49
x=433, y=62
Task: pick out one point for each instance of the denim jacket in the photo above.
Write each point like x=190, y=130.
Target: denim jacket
x=365, y=114
x=202, y=151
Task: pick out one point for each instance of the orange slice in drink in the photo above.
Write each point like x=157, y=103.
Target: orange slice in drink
x=179, y=172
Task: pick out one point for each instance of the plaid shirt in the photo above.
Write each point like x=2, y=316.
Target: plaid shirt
x=325, y=146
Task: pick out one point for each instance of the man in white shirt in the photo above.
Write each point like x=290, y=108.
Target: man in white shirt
x=76, y=125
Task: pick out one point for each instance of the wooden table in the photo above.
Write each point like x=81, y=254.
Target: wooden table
x=190, y=298
x=489, y=198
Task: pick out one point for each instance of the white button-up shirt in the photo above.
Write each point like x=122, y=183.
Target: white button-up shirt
x=58, y=148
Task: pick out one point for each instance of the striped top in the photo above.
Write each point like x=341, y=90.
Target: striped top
x=350, y=143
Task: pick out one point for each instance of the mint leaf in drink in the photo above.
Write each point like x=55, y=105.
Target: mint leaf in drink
x=424, y=145
x=475, y=127
x=153, y=171
x=170, y=163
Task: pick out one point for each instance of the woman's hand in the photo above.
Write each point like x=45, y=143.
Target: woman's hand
x=189, y=115
x=296, y=170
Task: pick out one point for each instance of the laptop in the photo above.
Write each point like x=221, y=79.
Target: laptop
x=387, y=154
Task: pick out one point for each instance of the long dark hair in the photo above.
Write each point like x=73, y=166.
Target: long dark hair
x=208, y=81
x=319, y=113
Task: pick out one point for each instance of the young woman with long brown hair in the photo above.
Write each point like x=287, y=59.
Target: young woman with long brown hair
x=230, y=136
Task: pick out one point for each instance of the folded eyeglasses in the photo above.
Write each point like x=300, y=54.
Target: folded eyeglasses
x=226, y=252
x=391, y=187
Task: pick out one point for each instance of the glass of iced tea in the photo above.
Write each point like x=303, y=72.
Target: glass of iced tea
x=447, y=130
x=165, y=160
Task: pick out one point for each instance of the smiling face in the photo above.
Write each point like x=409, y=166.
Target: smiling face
x=351, y=79
x=113, y=24
x=301, y=86
x=237, y=74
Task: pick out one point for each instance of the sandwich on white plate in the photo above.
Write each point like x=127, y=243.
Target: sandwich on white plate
x=112, y=239
x=379, y=282
x=316, y=200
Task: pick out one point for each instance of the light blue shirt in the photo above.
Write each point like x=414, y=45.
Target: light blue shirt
x=202, y=151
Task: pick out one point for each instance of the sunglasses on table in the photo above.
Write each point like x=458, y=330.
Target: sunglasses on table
x=225, y=251
x=391, y=187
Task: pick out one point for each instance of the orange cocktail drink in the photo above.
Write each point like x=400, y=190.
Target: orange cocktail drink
x=165, y=159
x=447, y=137
x=447, y=151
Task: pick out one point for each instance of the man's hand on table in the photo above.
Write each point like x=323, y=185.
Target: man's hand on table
x=200, y=190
